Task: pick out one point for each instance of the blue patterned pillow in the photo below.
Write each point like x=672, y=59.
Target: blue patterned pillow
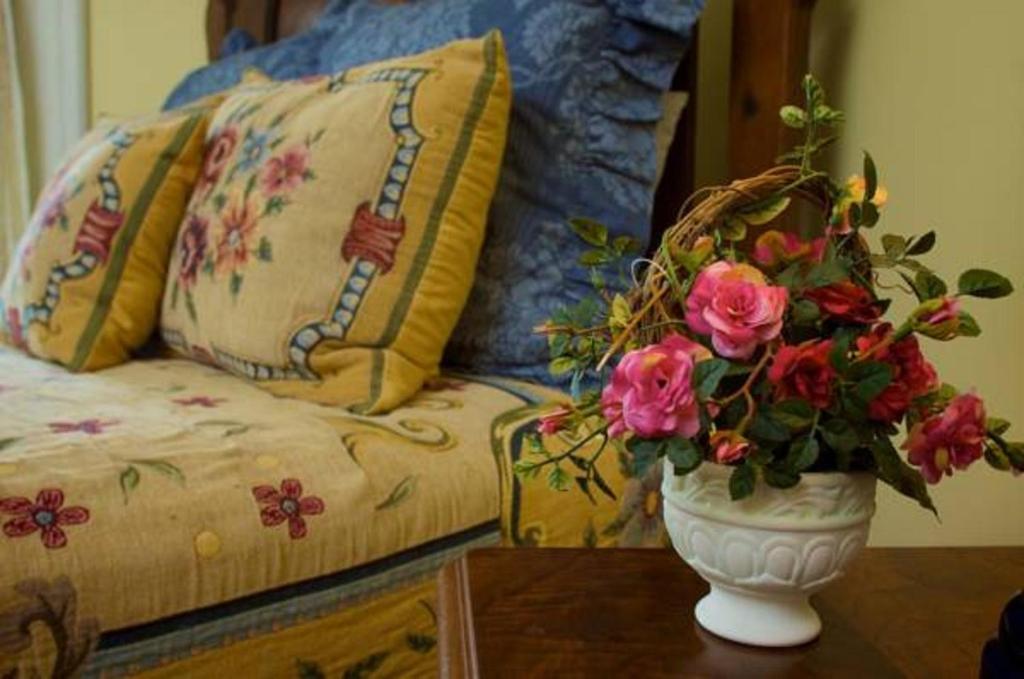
x=587, y=77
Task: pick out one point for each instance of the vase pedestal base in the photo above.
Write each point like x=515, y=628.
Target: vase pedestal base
x=758, y=619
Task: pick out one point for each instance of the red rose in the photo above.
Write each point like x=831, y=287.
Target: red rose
x=950, y=440
x=912, y=374
x=846, y=301
x=804, y=371
x=891, y=405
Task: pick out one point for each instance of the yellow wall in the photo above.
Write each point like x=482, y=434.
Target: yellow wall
x=933, y=88
x=138, y=51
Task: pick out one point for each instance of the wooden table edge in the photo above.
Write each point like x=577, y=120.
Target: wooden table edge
x=457, y=647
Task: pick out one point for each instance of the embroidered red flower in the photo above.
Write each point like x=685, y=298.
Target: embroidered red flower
x=15, y=332
x=201, y=401
x=192, y=249
x=47, y=514
x=91, y=426
x=373, y=238
x=284, y=173
x=220, y=150
x=97, y=232
x=287, y=505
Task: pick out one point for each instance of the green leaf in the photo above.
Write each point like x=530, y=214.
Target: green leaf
x=129, y=481
x=625, y=245
x=826, y=273
x=707, y=375
x=805, y=312
x=162, y=467
x=795, y=413
x=840, y=436
x=733, y=228
x=1015, y=453
x=645, y=453
x=997, y=425
x=870, y=177
x=558, y=478
x=741, y=482
x=765, y=211
x=922, y=245
x=683, y=454
x=997, y=459
x=401, y=492
x=898, y=474
x=601, y=484
x=894, y=245
x=9, y=441
x=620, y=312
x=803, y=453
x=929, y=286
x=778, y=477
x=872, y=377
x=793, y=116
x=558, y=344
x=264, y=251
x=421, y=643
x=590, y=231
x=968, y=325
x=765, y=428
x=594, y=258
x=584, y=485
x=827, y=115
x=983, y=283
x=562, y=365
x=365, y=667
x=868, y=214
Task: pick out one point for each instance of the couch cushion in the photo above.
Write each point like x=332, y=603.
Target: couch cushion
x=331, y=241
x=587, y=78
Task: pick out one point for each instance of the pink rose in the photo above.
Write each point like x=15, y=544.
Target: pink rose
x=777, y=249
x=729, y=446
x=735, y=306
x=553, y=422
x=952, y=439
x=937, y=318
x=804, y=371
x=651, y=391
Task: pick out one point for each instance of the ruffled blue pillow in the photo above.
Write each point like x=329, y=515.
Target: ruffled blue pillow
x=587, y=78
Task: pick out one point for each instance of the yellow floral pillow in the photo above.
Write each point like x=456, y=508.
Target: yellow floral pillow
x=331, y=241
x=85, y=284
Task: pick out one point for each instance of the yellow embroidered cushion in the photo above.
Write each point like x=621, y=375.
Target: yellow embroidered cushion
x=330, y=243
x=85, y=284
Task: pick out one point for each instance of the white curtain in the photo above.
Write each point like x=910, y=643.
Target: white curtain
x=14, y=171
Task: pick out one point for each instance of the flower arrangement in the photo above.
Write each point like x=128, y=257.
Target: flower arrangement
x=769, y=352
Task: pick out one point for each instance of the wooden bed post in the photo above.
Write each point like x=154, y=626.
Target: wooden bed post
x=770, y=42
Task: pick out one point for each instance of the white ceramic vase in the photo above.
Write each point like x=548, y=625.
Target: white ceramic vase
x=766, y=554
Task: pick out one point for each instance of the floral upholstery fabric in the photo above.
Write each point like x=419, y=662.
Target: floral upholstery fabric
x=190, y=523
x=85, y=284
x=330, y=242
x=587, y=78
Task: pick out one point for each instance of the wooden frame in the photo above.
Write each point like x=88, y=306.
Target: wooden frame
x=769, y=58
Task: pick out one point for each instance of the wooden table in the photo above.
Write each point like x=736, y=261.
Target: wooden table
x=629, y=613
